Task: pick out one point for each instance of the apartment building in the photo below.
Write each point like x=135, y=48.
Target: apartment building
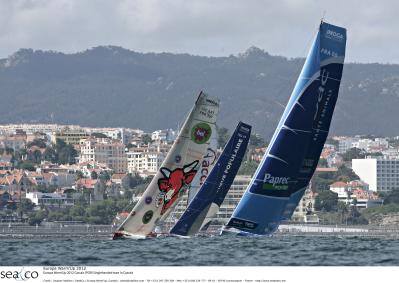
x=382, y=174
x=106, y=151
x=70, y=136
x=144, y=160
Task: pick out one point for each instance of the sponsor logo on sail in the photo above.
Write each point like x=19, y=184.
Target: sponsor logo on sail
x=178, y=158
x=334, y=35
x=207, y=161
x=275, y=183
x=173, y=182
x=322, y=105
x=147, y=216
x=210, y=101
x=201, y=133
x=148, y=200
x=244, y=129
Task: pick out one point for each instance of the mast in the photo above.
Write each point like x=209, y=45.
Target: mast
x=292, y=156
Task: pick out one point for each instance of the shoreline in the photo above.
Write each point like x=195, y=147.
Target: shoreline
x=86, y=231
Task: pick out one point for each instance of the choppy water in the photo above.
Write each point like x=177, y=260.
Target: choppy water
x=279, y=250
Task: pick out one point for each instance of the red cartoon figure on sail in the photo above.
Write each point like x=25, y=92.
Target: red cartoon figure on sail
x=174, y=181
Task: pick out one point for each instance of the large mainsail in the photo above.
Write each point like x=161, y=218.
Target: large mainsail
x=212, y=193
x=176, y=172
x=292, y=156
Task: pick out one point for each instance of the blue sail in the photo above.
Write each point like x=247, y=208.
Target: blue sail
x=292, y=156
x=212, y=193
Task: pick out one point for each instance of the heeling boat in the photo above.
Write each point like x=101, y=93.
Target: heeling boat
x=176, y=172
x=292, y=156
x=205, y=166
x=209, y=198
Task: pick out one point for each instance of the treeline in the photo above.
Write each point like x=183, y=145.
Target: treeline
x=38, y=151
x=101, y=212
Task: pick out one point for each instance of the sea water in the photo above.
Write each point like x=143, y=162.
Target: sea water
x=286, y=250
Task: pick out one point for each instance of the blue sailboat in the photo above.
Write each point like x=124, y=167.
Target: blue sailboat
x=294, y=151
x=210, y=196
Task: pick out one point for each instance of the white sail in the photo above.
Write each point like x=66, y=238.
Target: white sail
x=177, y=171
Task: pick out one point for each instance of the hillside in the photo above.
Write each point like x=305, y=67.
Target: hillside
x=112, y=86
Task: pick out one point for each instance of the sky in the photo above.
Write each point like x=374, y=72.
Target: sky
x=200, y=27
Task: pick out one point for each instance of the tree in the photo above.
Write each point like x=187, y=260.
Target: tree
x=343, y=172
x=65, y=153
x=93, y=175
x=27, y=165
x=104, y=175
x=146, y=139
x=79, y=175
x=37, y=142
x=25, y=206
x=355, y=217
x=322, y=163
x=37, y=156
x=99, y=135
x=37, y=217
x=353, y=153
x=257, y=141
x=50, y=155
x=130, y=145
x=135, y=180
x=392, y=197
x=326, y=201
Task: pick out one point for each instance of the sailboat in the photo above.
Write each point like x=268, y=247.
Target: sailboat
x=294, y=151
x=176, y=172
x=205, y=167
x=210, y=196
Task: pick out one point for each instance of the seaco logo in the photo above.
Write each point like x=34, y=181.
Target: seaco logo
x=275, y=183
x=22, y=275
x=334, y=35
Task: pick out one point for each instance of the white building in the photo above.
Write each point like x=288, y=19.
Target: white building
x=34, y=128
x=345, y=144
x=15, y=142
x=50, y=199
x=144, y=160
x=105, y=151
x=234, y=195
x=341, y=189
x=167, y=135
x=381, y=174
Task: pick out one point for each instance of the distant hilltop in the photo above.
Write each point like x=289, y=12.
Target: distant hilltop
x=111, y=86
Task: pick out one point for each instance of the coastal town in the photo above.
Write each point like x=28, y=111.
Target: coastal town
x=73, y=174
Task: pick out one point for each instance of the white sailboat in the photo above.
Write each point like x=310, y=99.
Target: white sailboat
x=176, y=173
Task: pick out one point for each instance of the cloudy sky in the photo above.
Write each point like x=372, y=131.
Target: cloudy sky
x=205, y=27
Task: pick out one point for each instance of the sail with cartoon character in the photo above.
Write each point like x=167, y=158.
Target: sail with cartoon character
x=176, y=173
x=294, y=151
x=210, y=197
